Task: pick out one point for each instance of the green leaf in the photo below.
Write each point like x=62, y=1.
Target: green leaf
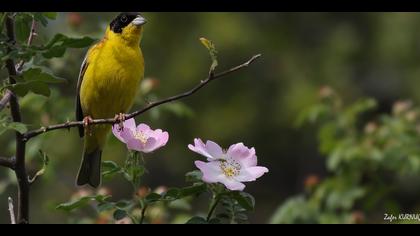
x=122, y=204
x=57, y=51
x=41, y=17
x=152, y=197
x=83, y=201
x=19, y=127
x=50, y=15
x=119, y=214
x=40, y=88
x=34, y=80
x=245, y=200
x=193, y=190
x=57, y=46
x=105, y=206
x=172, y=194
x=109, y=169
x=212, y=51
x=197, y=220
x=193, y=176
x=215, y=221
x=22, y=27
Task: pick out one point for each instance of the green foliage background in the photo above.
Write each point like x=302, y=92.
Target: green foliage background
x=358, y=54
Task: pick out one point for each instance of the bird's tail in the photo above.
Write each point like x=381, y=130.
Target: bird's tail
x=90, y=168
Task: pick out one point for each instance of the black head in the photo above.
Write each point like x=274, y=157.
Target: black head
x=122, y=20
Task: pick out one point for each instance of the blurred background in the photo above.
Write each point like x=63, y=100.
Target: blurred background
x=358, y=54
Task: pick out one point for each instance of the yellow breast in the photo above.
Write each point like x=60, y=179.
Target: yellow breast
x=111, y=80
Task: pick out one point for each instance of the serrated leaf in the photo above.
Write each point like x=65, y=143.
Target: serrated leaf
x=193, y=190
x=40, y=17
x=152, y=197
x=19, y=127
x=83, y=201
x=245, y=200
x=193, y=176
x=109, y=169
x=40, y=88
x=38, y=74
x=196, y=220
x=22, y=27
x=57, y=46
x=105, y=206
x=212, y=51
x=122, y=204
x=172, y=194
x=119, y=214
x=57, y=51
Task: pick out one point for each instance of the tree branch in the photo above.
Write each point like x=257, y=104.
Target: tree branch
x=7, y=162
x=30, y=134
x=20, y=168
x=5, y=99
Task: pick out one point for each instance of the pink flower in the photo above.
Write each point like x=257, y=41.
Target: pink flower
x=232, y=167
x=141, y=138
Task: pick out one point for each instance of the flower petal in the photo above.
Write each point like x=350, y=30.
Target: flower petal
x=143, y=128
x=128, y=127
x=214, y=150
x=134, y=144
x=130, y=124
x=199, y=148
x=211, y=171
x=163, y=138
x=117, y=132
x=232, y=184
x=251, y=173
x=150, y=145
x=242, y=154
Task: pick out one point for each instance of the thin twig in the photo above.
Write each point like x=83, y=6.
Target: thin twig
x=30, y=134
x=5, y=99
x=29, y=42
x=7, y=162
x=20, y=167
x=143, y=214
x=11, y=211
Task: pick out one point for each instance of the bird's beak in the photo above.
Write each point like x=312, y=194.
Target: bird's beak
x=139, y=20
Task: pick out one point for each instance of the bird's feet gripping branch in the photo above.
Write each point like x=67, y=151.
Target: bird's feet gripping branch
x=87, y=120
x=120, y=118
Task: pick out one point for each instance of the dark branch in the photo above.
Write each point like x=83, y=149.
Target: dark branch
x=20, y=168
x=7, y=162
x=30, y=134
x=5, y=99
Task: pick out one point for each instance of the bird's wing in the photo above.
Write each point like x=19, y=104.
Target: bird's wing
x=79, y=111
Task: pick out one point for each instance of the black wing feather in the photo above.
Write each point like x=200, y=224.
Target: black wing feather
x=79, y=111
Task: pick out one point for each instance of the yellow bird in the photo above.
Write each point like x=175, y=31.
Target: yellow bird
x=108, y=83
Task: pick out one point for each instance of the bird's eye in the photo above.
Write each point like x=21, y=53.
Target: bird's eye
x=123, y=19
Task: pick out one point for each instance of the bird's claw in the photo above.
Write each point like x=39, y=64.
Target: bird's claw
x=86, y=122
x=120, y=118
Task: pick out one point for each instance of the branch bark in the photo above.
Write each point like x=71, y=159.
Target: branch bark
x=33, y=133
x=20, y=168
x=7, y=162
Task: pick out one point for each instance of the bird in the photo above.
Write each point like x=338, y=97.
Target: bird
x=108, y=83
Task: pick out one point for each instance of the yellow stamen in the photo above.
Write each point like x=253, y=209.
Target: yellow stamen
x=141, y=137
